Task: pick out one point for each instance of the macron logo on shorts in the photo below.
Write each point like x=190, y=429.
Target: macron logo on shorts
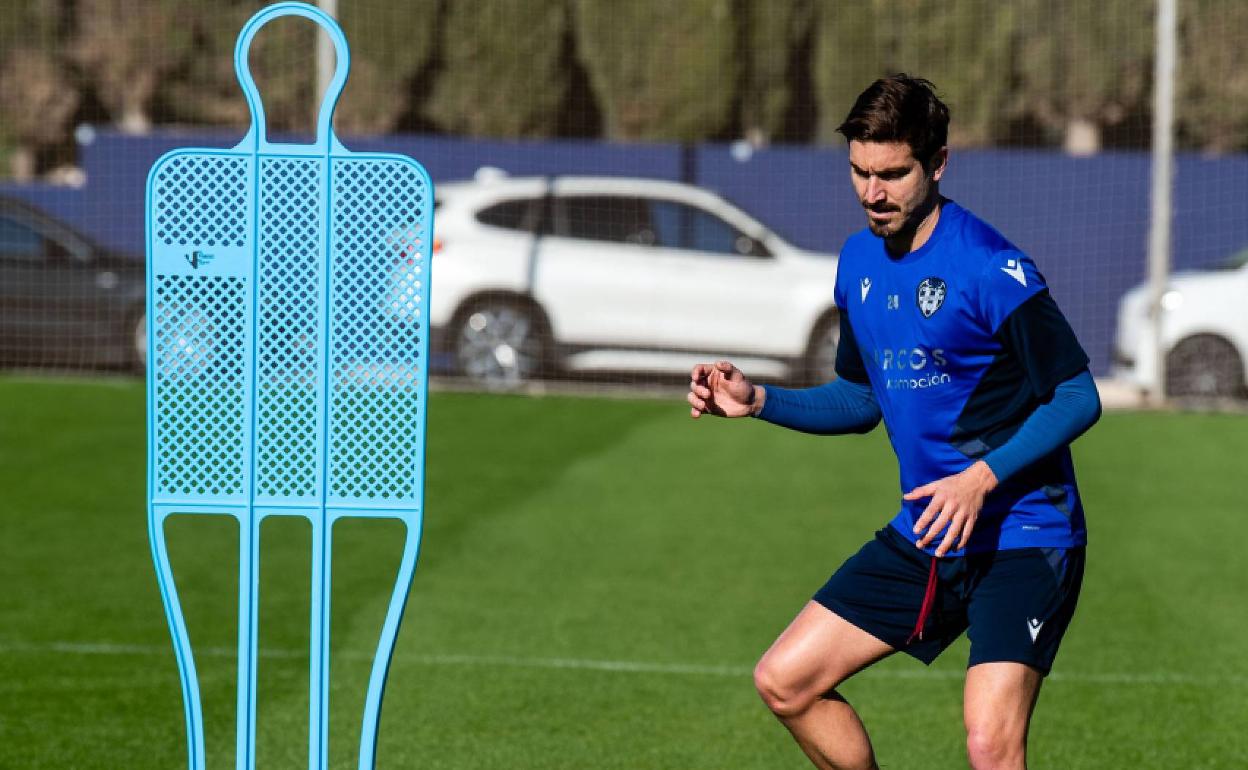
x=1033, y=628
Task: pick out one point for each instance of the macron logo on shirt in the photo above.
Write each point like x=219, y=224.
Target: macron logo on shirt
x=866, y=288
x=1014, y=269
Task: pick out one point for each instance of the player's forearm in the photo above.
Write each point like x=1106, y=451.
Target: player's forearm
x=1075, y=406
x=838, y=407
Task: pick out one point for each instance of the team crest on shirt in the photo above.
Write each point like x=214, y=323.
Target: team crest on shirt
x=931, y=295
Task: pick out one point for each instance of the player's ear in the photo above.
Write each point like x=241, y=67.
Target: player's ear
x=936, y=164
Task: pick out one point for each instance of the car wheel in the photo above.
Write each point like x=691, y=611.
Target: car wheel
x=500, y=344
x=819, y=365
x=137, y=342
x=1204, y=366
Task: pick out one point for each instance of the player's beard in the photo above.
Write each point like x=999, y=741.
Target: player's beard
x=899, y=221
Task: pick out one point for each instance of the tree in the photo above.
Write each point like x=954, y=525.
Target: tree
x=851, y=50
x=661, y=70
x=1212, y=92
x=39, y=101
x=204, y=89
x=778, y=37
x=1084, y=68
x=392, y=43
x=38, y=94
x=963, y=46
x=125, y=49
x=501, y=71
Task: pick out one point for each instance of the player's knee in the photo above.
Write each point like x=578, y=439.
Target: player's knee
x=993, y=746
x=778, y=690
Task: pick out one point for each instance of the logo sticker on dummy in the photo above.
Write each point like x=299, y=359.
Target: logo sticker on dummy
x=931, y=295
x=198, y=259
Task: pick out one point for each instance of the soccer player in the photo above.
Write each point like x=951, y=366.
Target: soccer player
x=948, y=334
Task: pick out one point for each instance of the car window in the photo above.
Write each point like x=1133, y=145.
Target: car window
x=542, y=216
x=710, y=233
x=530, y=215
x=509, y=215
x=671, y=223
x=615, y=218
x=687, y=227
x=19, y=243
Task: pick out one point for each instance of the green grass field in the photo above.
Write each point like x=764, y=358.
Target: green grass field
x=597, y=579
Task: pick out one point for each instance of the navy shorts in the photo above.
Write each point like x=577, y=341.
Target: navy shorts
x=1014, y=605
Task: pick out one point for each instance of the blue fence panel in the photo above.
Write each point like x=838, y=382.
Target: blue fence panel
x=1084, y=220
x=117, y=164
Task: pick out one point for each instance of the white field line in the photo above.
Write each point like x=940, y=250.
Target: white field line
x=1148, y=678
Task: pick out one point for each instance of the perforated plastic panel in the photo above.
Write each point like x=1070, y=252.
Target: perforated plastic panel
x=288, y=335
x=200, y=339
x=286, y=292
x=376, y=327
x=204, y=201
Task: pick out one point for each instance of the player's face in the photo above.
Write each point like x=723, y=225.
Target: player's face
x=892, y=185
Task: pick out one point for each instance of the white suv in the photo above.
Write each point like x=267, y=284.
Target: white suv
x=1204, y=333
x=547, y=275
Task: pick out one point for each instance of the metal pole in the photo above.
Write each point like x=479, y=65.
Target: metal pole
x=1162, y=184
x=324, y=57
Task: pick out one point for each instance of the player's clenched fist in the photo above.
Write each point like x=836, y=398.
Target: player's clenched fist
x=721, y=389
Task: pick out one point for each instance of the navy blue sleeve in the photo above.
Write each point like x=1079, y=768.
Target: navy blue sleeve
x=1071, y=410
x=849, y=365
x=840, y=406
x=1039, y=350
x=1041, y=339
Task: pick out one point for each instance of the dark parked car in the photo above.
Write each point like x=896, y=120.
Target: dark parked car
x=64, y=299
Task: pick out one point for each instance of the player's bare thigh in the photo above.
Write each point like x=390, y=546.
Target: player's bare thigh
x=997, y=706
x=817, y=652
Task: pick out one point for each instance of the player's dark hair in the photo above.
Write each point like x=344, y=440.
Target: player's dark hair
x=900, y=108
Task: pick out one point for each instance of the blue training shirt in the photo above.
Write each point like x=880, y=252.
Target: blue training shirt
x=960, y=343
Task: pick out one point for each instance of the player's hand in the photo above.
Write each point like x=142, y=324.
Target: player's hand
x=955, y=504
x=721, y=389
